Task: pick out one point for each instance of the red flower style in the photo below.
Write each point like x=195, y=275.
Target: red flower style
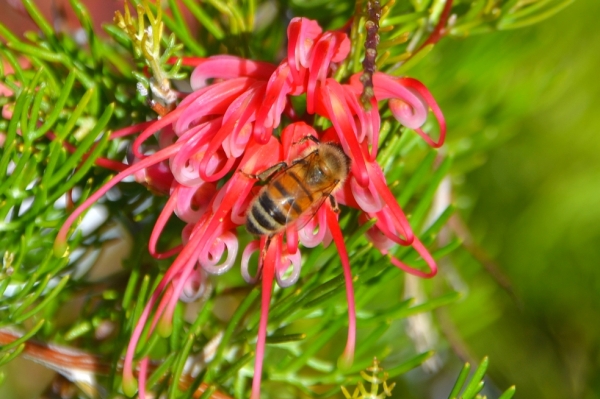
x=225, y=128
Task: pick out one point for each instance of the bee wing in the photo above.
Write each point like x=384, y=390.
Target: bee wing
x=298, y=168
x=308, y=215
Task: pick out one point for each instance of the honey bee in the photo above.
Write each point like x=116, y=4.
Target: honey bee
x=297, y=190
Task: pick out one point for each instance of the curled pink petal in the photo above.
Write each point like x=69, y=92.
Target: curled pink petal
x=192, y=202
x=194, y=287
x=313, y=233
x=329, y=47
x=252, y=247
x=235, y=144
x=428, y=98
x=228, y=67
x=274, y=102
x=320, y=62
x=353, y=99
x=209, y=260
x=152, y=129
x=214, y=165
x=203, y=235
x=399, y=218
x=186, y=163
x=283, y=267
x=407, y=104
x=212, y=100
x=186, y=166
x=368, y=198
x=410, y=116
x=375, y=235
x=245, y=107
x=342, y=48
x=301, y=35
x=335, y=108
x=420, y=248
x=216, y=237
x=238, y=119
x=390, y=225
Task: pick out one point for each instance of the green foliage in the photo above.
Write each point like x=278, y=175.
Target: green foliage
x=63, y=108
x=471, y=390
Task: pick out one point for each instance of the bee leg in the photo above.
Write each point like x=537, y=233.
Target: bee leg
x=265, y=174
x=305, y=138
x=263, y=253
x=303, y=160
x=267, y=243
x=334, y=205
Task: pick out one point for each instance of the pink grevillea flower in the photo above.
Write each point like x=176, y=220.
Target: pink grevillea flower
x=225, y=128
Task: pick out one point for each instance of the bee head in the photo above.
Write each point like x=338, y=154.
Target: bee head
x=335, y=160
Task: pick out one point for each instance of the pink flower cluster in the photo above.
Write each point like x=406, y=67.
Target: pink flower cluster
x=225, y=128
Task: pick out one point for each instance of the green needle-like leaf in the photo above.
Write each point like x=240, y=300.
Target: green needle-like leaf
x=476, y=382
x=509, y=393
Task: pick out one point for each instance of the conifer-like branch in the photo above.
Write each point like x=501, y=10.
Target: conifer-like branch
x=147, y=44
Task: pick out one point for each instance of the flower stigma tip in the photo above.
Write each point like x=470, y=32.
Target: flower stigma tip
x=129, y=384
x=61, y=249
x=164, y=328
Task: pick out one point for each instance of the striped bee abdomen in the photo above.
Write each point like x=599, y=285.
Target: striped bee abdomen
x=277, y=205
x=265, y=217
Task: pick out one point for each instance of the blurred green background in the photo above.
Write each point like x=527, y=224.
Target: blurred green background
x=525, y=103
